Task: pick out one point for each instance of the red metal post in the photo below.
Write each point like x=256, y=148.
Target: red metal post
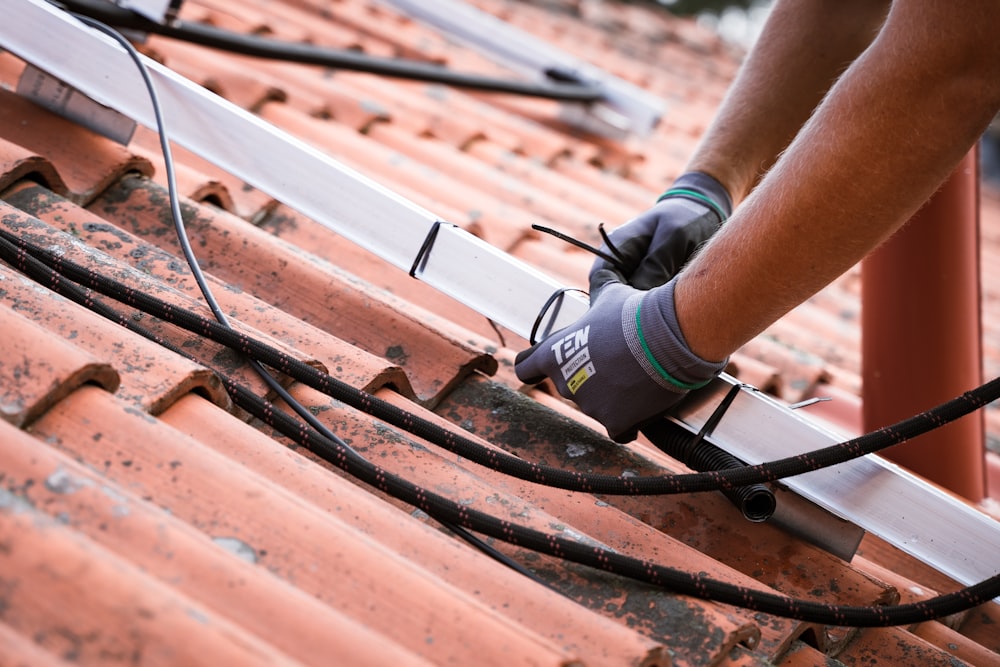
x=921, y=336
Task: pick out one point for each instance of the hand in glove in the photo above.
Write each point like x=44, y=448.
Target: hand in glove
x=625, y=362
x=656, y=244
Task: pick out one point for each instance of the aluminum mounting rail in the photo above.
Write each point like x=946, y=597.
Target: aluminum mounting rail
x=283, y=166
x=877, y=495
x=869, y=492
x=626, y=108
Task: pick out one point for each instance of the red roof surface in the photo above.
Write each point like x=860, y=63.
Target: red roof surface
x=147, y=520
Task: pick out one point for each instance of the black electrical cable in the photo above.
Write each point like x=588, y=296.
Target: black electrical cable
x=331, y=449
x=15, y=248
x=562, y=86
x=21, y=254
x=452, y=513
x=213, y=304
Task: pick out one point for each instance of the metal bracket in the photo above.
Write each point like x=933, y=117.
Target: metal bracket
x=61, y=98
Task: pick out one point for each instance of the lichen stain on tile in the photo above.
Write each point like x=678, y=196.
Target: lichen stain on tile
x=238, y=548
x=63, y=482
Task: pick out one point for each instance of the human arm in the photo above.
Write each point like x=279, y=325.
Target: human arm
x=802, y=49
x=889, y=131
x=804, y=46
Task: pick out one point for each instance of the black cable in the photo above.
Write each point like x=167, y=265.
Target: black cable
x=16, y=248
x=20, y=254
x=564, y=86
x=449, y=512
x=213, y=304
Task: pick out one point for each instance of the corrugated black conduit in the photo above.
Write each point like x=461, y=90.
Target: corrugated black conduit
x=21, y=255
x=755, y=501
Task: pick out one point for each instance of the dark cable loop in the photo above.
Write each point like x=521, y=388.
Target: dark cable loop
x=554, y=298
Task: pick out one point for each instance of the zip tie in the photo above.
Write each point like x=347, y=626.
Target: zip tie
x=617, y=260
x=555, y=297
x=420, y=261
x=716, y=416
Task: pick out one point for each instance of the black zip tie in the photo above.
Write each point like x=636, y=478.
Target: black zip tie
x=620, y=264
x=555, y=297
x=420, y=261
x=496, y=330
x=617, y=259
x=717, y=414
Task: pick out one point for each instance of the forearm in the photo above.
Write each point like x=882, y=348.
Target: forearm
x=892, y=128
x=803, y=47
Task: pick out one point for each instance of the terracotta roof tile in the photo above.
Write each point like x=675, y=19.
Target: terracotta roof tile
x=894, y=646
x=16, y=163
x=240, y=79
x=481, y=213
x=40, y=382
x=151, y=377
x=54, y=571
x=78, y=223
x=260, y=550
x=324, y=297
x=954, y=643
x=801, y=654
x=384, y=590
x=504, y=591
x=327, y=245
x=981, y=626
x=217, y=578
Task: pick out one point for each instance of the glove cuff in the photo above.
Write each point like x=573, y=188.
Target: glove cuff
x=700, y=187
x=654, y=337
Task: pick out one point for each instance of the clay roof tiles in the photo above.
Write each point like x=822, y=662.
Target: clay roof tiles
x=145, y=518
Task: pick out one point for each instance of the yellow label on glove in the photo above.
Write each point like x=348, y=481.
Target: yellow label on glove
x=579, y=378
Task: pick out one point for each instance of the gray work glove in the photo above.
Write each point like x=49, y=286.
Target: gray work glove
x=656, y=244
x=625, y=362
